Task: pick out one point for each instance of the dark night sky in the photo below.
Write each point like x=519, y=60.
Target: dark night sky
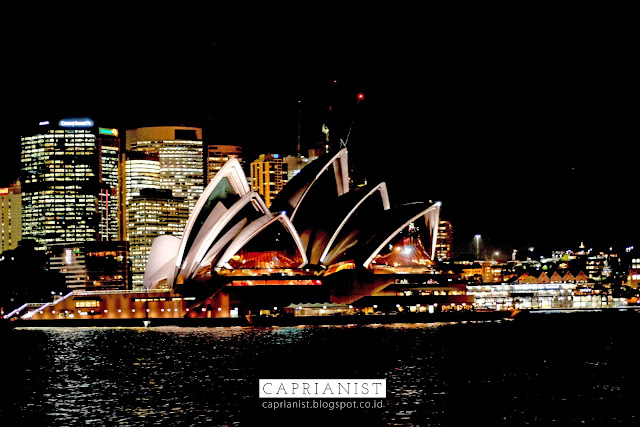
x=524, y=132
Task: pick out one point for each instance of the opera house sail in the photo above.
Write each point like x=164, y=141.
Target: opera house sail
x=315, y=228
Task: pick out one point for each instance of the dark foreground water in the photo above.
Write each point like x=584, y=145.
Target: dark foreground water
x=558, y=369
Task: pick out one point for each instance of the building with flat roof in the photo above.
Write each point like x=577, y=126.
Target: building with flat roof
x=10, y=217
x=150, y=214
x=70, y=182
x=518, y=296
x=180, y=154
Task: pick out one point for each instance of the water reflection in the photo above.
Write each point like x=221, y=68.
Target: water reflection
x=437, y=373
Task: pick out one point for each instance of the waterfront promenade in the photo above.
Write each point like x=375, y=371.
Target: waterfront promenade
x=416, y=318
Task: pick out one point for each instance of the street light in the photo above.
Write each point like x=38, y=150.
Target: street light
x=477, y=237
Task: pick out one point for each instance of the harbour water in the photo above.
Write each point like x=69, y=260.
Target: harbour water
x=544, y=369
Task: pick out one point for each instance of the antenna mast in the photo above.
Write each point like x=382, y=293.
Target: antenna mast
x=299, y=148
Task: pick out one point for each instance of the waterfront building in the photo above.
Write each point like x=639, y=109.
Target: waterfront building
x=105, y=304
x=518, y=296
x=420, y=293
x=10, y=217
x=102, y=265
x=152, y=213
x=558, y=276
x=218, y=155
x=268, y=176
x=319, y=242
x=70, y=182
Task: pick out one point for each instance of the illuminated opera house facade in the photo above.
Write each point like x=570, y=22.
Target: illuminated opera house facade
x=317, y=243
x=319, y=247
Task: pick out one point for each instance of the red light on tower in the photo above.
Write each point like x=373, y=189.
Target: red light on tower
x=360, y=96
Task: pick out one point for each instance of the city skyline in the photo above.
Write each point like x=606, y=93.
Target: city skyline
x=517, y=126
x=505, y=139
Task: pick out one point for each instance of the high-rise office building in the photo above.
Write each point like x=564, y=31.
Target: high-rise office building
x=444, y=245
x=70, y=182
x=141, y=170
x=268, y=176
x=109, y=149
x=150, y=214
x=164, y=178
x=10, y=217
x=218, y=155
x=180, y=154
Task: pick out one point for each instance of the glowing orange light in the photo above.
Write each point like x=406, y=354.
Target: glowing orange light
x=360, y=96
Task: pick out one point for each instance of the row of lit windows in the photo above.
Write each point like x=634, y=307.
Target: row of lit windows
x=76, y=200
x=88, y=303
x=137, y=205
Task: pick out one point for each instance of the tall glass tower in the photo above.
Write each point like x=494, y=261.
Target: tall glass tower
x=164, y=179
x=70, y=182
x=180, y=155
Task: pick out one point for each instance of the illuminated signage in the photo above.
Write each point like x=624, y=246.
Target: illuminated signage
x=4, y=191
x=105, y=131
x=44, y=123
x=76, y=123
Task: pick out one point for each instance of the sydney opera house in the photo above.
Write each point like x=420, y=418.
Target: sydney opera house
x=318, y=242
x=320, y=246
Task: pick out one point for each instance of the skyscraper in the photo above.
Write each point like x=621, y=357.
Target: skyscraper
x=10, y=217
x=268, y=176
x=141, y=170
x=150, y=214
x=70, y=182
x=180, y=153
x=164, y=179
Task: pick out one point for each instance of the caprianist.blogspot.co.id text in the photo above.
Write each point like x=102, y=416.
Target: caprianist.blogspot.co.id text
x=337, y=405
